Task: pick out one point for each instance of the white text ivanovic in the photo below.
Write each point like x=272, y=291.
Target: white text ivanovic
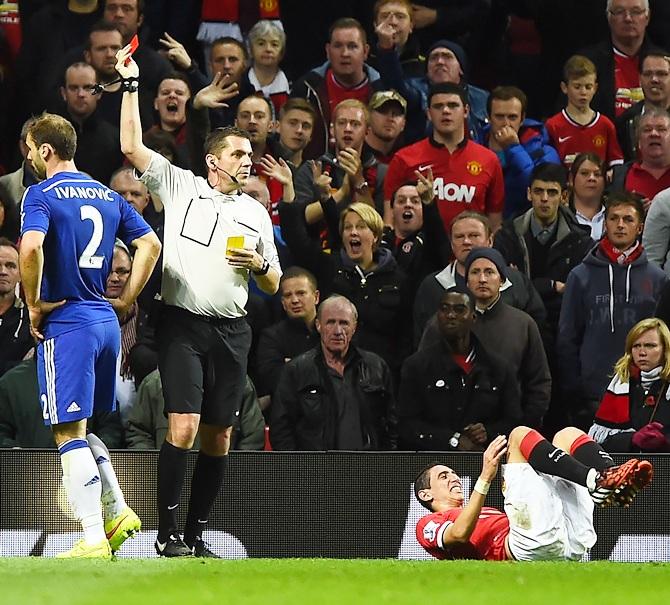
x=83, y=193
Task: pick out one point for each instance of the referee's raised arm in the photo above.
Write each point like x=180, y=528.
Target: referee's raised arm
x=131, y=126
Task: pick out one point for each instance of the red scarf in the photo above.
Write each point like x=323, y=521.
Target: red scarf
x=620, y=257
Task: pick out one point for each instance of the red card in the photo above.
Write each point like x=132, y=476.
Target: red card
x=134, y=43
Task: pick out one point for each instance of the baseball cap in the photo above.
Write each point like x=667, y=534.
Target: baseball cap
x=384, y=96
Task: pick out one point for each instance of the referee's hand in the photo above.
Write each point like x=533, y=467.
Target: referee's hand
x=241, y=258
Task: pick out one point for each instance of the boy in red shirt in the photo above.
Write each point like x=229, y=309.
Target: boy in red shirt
x=578, y=128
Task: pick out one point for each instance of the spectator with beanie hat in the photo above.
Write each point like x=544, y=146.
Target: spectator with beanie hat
x=446, y=63
x=509, y=331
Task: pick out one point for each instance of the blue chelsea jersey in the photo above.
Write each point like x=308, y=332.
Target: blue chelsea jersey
x=81, y=218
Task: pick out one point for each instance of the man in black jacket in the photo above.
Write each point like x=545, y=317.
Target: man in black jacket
x=546, y=242
x=294, y=335
x=456, y=394
x=15, y=337
x=335, y=396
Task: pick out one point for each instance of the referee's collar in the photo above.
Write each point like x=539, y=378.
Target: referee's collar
x=435, y=143
x=214, y=194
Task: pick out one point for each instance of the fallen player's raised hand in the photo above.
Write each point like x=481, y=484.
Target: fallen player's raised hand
x=492, y=456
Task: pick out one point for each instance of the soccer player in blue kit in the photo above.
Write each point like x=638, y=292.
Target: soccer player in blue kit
x=69, y=226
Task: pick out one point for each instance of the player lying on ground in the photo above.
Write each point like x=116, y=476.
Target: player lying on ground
x=549, y=498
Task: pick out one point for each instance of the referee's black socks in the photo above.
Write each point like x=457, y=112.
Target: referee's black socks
x=205, y=486
x=171, y=471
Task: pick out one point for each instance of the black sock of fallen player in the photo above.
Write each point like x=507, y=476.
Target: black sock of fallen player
x=547, y=458
x=171, y=471
x=205, y=487
x=591, y=454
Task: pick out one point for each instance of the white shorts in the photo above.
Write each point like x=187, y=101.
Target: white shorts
x=550, y=518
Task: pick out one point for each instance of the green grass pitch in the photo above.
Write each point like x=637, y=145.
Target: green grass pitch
x=34, y=581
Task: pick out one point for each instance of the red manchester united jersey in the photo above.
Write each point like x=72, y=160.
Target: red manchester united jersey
x=486, y=542
x=570, y=138
x=639, y=181
x=470, y=178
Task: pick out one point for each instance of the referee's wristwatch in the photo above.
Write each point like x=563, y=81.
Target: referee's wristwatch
x=264, y=269
x=455, y=438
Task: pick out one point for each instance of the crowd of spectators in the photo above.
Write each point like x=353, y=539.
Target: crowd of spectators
x=458, y=191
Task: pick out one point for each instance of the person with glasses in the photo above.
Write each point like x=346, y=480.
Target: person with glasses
x=655, y=82
x=618, y=58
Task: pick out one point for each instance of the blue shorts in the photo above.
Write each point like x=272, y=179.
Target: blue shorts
x=76, y=372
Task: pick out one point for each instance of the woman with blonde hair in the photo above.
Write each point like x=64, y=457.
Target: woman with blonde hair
x=634, y=413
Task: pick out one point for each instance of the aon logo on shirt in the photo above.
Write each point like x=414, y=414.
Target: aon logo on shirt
x=453, y=192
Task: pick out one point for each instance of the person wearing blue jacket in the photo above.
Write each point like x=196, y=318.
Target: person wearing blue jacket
x=605, y=296
x=521, y=144
x=446, y=61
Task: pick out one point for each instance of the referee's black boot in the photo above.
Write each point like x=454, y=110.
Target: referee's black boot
x=202, y=549
x=173, y=547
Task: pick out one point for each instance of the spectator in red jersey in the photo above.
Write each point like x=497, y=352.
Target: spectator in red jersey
x=617, y=59
x=655, y=82
x=651, y=173
x=587, y=185
x=467, y=176
x=388, y=111
x=550, y=490
x=520, y=143
x=345, y=75
x=578, y=128
x=267, y=42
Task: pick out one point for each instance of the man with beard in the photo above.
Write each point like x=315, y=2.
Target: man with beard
x=387, y=124
x=98, y=151
x=254, y=114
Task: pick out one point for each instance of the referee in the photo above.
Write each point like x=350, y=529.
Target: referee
x=215, y=237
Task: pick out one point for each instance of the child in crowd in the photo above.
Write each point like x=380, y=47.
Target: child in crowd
x=578, y=128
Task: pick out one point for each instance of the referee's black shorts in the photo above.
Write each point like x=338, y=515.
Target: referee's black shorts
x=203, y=364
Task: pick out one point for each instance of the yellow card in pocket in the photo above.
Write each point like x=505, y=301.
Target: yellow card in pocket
x=235, y=241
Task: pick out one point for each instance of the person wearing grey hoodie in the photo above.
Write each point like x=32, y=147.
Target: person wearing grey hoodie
x=606, y=295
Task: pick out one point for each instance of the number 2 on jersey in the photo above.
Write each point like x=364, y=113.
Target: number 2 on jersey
x=88, y=258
